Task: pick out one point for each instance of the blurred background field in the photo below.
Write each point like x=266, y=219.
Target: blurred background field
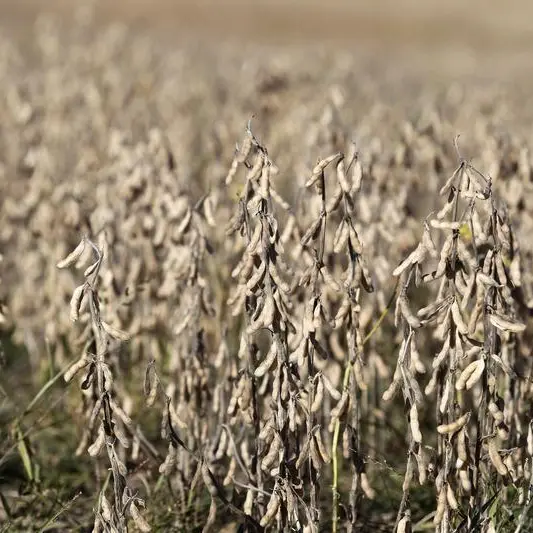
x=90, y=92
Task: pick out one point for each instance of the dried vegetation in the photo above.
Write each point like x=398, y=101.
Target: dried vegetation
x=329, y=335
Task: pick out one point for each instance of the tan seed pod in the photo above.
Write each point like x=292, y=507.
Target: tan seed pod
x=256, y=278
x=334, y=200
x=474, y=317
x=319, y=395
x=271, y=510
x=285, y=287
x=443, y=258
x=245, y=148
x=349, y=276
x=140, y=522
x=267, y=362
x=354, y=240
x=291, y=415
x=488, y=261
x=152, y=391
x=495, y=458
x=448, y=206
x=453, y=427
x=341, y=176
x=320, y=167
x=416, y=359
x=404, y=525
x=408, y=478
x=264, y=182
x=322, y=450
x=423, y=463
x=494, y=410
x=341, y=406
x=391, y=390
x=414, y=257
x=276, y=384
x=267, y=432
x=469, y=292
x=458, y=318
x=95, y=411
x=249, y=502
x=515, y=271
x=500, y=269
x=209, y=480
x=450, y=498
x=121, y=414
x=342, y=313
x=449, y=183
x=230, y=473
x=90, y=269
x=170, y=460
x=441, y=507
x=184, y=224
x=487, y=280
x=330, y=280
x=96, y=447
x=415, y=426
x=476, y=374
x=115, y=333
x=208, y=212
x=502, y=431
x=254, y=242
x=243, y=269
x=445, y=224
x=441, y=356
x=368, y=491
x=443, y=405
x=504, y=323
x=285, y=385
x=73, y=256
x=465, y=481
x=511, y=467
x=291, y=503
x=182, y=325
x=304, y=453
x=357, y=176
x=288, y=229
x=106, y=508
x=434, y=309
x=341, y=237
x=255, y=171
x=232, y=171
x=462, y=455
x=211, y=517
x=270, y=458
x=332, y=391
x=312, y=232
x=245, y=454
x=314, y=454
x=121, y=467
x=408, y=315
x=470, y=375
x=359, y=376
x=108, y=376
x=222, y=446
x=266, y=317
x=278, y=199
x=75, y=368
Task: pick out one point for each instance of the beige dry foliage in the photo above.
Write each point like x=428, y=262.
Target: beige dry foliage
x=249, y=288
